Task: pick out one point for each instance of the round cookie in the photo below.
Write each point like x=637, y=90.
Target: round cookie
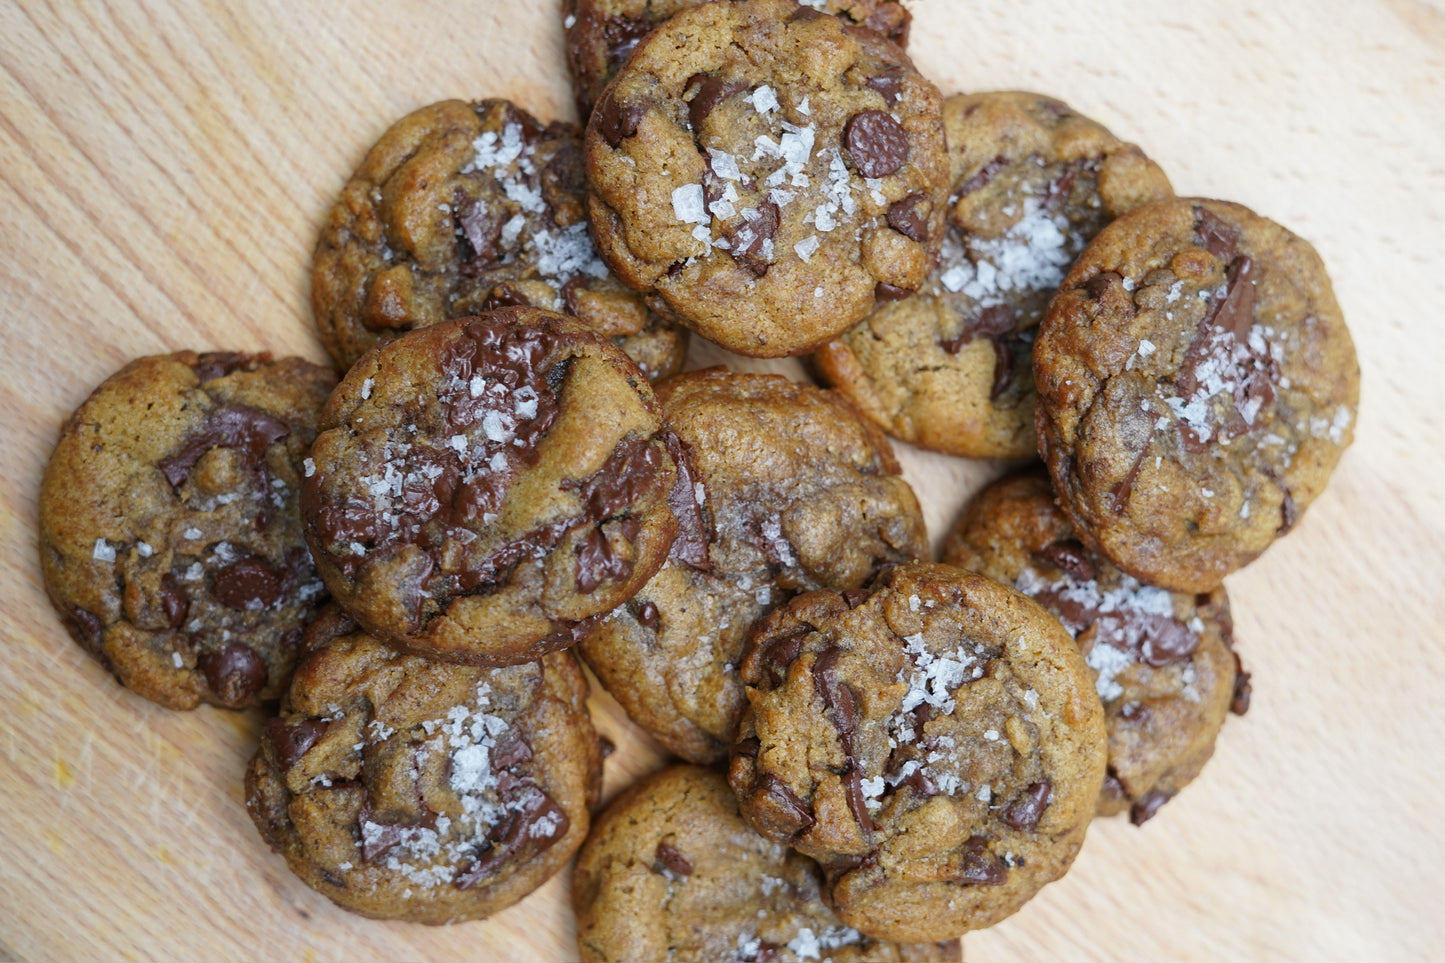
x=481, y=487
x=602, y=33
x=460, y=208
x=766, y=173
x=791, y=490
x=170, y=532
x=950, y=368
x=671, y=872
x=1197, y=385
x=936, y=744
x=1163, y=661
x=402, y=788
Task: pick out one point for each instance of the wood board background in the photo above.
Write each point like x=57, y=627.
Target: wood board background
x=164, y=165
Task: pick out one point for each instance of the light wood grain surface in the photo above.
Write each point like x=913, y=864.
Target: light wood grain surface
x=164, y=165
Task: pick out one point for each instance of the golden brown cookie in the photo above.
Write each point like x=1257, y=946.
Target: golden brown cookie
x=671, y=872
x=765, y=173
x=936, y=744
x=481, y=487
x=1197, y=385
x=402, y=788
x=1163, y=661
x=950, y=367
x=461, y=208
x=602, y=33
x=791, y=490
x=170, y=532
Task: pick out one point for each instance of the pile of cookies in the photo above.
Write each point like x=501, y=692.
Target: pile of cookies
x=882, y=752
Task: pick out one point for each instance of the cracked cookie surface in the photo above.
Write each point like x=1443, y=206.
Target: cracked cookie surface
x=790, y=490
x=672, y=872
x=460, y=208
x=402, y=788
x=766, y=173
x=950, y=367
x=1197, y=385
x=1163, y=662
x=170, y=528
x=480, y=488
x=935, y=743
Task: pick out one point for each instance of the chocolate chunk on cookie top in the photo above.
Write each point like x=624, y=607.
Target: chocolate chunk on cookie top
x=601, y=34
x=1162, y=660
x=403, y=788
x=481, y=487
x=950, y=367
x=791, y=490
x=936, y=744
x=767, y=173
x=1197, y=385
x=672, y=872
x=460, y=208
x=170, y=527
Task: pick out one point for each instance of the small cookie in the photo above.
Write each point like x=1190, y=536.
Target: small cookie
x=936, y=744
x=671, y=872
x=791, y=491
x=950, y=368
x=1163, y=661
x=602, y=33
x=1197, y=385
x=402, y=788
x=480, y=487
x=766, y=173
x=461, y=208
x=170, y=533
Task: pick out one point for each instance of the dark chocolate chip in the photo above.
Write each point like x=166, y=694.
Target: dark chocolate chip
x=1288, y=512
x=572, y=290
x=217, y=364
x=889, y=83
x=746, y=237
x=1069, y=556
x=805, y=14
x=993, y=321
x=481, y=229
x=979, y=866
x=1025, y=811
x=173, y=600
x=890, y=20
x=646, y=613
x=1243, y=688
x=1003, y=368
x=1097, y=285
x=784, y=807
x=778, y=654
x=247, y=584
x=767, y=952
x=1135, y=712
x=1215, y=235
x=747, y=747
x=711, y=91
x=981, y=177
x=920, y=783
x=88, y=630
x=533, y=823
x=505, y=295
x=1119, y=497
x=616, y=124
x=690, y=545
x=598, y=562
x=1060, y=188
x=853, y=792
x=620, y=36
x=673, y=861
x=904, y=218
x=877, y=144
x=891, y=292
x=235, y=673
x=239, y=427
x=855, y=597
x=1146, y=806
x=290, y=742
x=1165, y=640
x=837, y=696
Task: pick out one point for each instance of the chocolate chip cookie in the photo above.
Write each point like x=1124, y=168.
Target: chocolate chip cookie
x=790, y=490
x=935, y=743
x=1163, y=661
x=1197, y=385
x=671, y=872
x=170, y=533
x=602, y=33
x=403, y=788
x=481, y=487
x=461, y=208
x=950, y=368
x=766, y=173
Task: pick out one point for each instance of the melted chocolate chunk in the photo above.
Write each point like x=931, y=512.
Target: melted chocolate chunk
x=889, y=83
x=920, y=783
x=88, y=629
x=244, y=429
x=247, y=584
x=979, y=866
x=711, y=91
x=620, y=35
x=853, y=792
x=533, y=823
x=980, y=178
x=993, y=321
x=904, y=218
x=876, y=143
x=290, y=742
x=855, y=597
x=1025, y=811
x=1003, y=368
x=768, y=952
x=747, y=747
x=597, y=562
x=481, y=229
x=1243, y=688
x=1119, y=497
x=1157, y=640
x=690, y=545
x=673, y=861
x=1215, y=235
x=217, y=364
x=1146, y=806
x=571, y=292
x=511, y=752
x=1069, y=555
x=1062, y=186
x=1097, y=285
x=616, y=124
x=838, y=697
x=173, y=600
x=235, y=673
x=890, y=20
x=785, y=808
x=745, y=238
x=626, y=478
x=778, y=654
x=505, y=295
x=890, y=292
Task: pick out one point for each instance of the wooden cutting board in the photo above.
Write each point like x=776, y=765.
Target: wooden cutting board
x=164, y=165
